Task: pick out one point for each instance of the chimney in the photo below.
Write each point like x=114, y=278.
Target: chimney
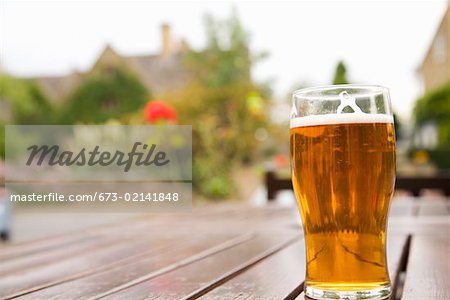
x=166, y=40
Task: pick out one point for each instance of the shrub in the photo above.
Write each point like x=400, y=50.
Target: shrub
x=107, y=95
x=435, y=106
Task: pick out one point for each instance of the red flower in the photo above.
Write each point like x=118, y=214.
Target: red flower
x=281, y=160
x=156, y=111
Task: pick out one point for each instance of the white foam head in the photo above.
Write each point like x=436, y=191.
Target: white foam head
x=332, y=119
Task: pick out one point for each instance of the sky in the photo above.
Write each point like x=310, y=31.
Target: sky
x=381, y=42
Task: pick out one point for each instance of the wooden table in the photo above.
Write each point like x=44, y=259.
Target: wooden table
x=219, y=252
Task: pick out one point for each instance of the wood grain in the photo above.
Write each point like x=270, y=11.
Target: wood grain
x=274, y=278
x=428, y=269
x=29, y=279
x=434, y=207
x=35, y=260
x=122, y=268
x=71, y=238
x=206, y=272
x=223, y=252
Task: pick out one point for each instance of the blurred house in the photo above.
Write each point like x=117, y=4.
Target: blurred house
x=159, y=72
x=434, y=72
x=435, y=68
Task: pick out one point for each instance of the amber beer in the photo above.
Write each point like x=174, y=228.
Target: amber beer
x=343, y=177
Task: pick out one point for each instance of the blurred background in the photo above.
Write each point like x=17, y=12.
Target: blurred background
x=228, y=69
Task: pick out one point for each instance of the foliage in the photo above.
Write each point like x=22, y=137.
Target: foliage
x=439, y=157
x=22, y=102
x=211, y=170
x=103, y=96
x=226, y=60
x=340, y=75
x=224, y=106
x=435, y=107
x=2, y=140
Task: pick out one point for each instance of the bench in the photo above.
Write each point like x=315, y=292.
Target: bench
x=413, y=184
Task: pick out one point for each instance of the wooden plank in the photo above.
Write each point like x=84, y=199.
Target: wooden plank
x=434, y=207
x=416, y=184
x=413, y=184
x=396, y=252
x=65, y=258
x=275, y=278
x=29, y=279
x=208, y=272
x=403, y=207
x=198, y=218
x=419, y=226
x=18, y=264
x=77, y=278
x=428, y=269
x=70, y=238
x=10, y=251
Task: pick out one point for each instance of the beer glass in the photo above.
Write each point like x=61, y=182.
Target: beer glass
x=343, y=172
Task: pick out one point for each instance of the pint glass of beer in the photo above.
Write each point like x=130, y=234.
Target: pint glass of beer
x=343, y=172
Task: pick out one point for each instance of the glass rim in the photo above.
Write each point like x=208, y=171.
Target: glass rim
x=373, y=89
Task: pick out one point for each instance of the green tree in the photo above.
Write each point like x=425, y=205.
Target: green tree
x=340, y=75
x=21, y=102
x=223, y=104
x=2, y=140
x=109, y=94
x=435, y=107
x=226, y=59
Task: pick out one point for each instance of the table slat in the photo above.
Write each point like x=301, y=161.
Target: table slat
x=274, y=278
x=35, y=260
x=70, y=238
x=203, y=274
x=428, y=269
x=225, y=253
x=92, y=284
x=434, y=207
x=141, y=255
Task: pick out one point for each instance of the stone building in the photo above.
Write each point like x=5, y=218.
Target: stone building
x=435, y=68
x=160, y=72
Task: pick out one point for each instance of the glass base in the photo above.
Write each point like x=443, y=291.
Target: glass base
x=372, y=294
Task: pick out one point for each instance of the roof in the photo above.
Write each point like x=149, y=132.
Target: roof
x=59, y=87
x=158, y=73
x=445, y=17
